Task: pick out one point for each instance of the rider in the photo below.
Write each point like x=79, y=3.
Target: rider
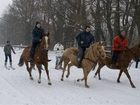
x=84, y=39
x=120, y=43
x=37, y=35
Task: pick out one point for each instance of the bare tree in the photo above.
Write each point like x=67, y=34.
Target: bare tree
x=65, y=18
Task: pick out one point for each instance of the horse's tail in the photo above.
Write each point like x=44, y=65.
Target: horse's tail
x=21, y=61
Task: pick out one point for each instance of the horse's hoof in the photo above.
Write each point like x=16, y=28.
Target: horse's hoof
x=39, y=82
x=62, y=80
x=99, y=78
x=31, y=78
x=67, y=76
x=49, y=83
x=133, y=86
x=118, y=81
x=78, y=80
x=94, y=76
x=86, y=86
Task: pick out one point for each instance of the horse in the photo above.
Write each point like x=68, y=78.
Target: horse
x=92, y=54
x=40, y=58
x=122, y=63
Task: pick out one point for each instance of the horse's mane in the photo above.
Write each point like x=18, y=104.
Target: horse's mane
x=90, y=53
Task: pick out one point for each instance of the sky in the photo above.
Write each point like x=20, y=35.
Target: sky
x=3, y=5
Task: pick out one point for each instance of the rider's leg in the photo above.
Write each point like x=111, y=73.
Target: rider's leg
x=32, y=52
x=80, y=55
x=114, y=58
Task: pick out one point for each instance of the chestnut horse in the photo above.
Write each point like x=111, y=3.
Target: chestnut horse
x=40, y=58
x=122, y=64
x=92, y=54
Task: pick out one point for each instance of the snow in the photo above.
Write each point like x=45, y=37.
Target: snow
x=17, y=89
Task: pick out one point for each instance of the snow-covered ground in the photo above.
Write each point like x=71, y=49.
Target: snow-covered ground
x=17, y=89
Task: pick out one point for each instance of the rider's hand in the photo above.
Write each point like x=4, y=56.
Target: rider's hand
x=82, y=42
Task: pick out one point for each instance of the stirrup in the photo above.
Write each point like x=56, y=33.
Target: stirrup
x=30, y=60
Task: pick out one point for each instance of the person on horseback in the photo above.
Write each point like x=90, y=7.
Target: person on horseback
x=84, y=39
x=120, y=43
x=37, y=35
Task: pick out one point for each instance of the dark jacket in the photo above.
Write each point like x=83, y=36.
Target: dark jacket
x=84, y=39
x=8, y=48
x=37, y=34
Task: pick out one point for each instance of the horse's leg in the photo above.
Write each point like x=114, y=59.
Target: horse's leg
x=120, y=73
x=98, y=72
x=39, y=70
x=85, y=72
x=69, y=65
x=85, y=77
x=29, y=70
x=64, y=69
x=128, y=76
x=48, y=76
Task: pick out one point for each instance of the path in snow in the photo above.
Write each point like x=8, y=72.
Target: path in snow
x=17, y=89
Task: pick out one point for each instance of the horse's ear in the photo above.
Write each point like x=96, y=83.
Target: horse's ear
x=102, y=43
x=47, y=34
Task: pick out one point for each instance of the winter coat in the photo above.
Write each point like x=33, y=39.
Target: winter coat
x=58, y=48
x=85, y=39
x=119, y=44
x=8, y=48
x=37, y=34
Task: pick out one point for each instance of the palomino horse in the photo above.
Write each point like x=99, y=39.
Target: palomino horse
x=92, y=54
x=122, y=63
x=40, y=58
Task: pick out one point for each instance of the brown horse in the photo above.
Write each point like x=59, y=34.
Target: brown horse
x=122, y=63
x=40, y=58
x=92, y=54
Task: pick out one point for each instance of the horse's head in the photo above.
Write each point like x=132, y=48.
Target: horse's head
x=45, y=42
x=99, y=50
